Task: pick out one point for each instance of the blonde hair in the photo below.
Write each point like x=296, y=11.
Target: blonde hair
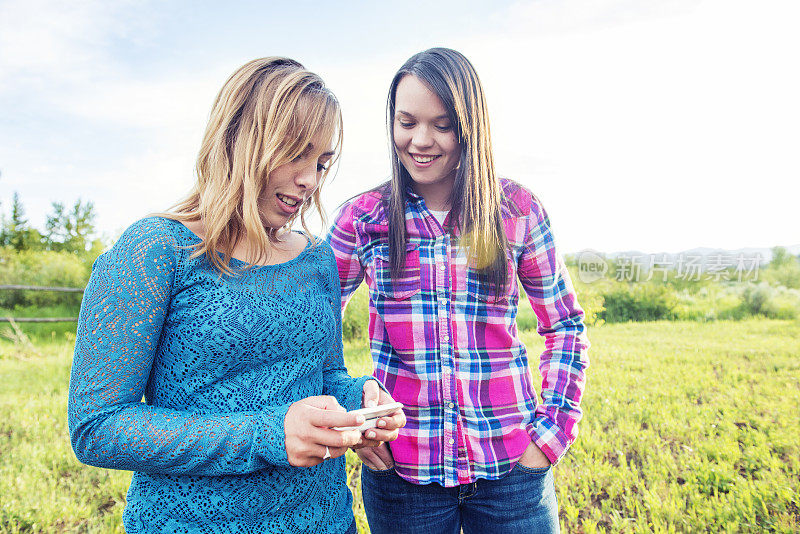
x=265, y=115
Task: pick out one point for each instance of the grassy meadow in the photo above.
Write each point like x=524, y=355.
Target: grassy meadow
x=688, y=427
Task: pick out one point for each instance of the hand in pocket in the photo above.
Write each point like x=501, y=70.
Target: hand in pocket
x=534, y=458
x=376, y=458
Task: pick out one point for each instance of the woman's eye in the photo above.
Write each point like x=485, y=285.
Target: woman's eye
x=321, y=167
x=406, y=124
x=443, y=128
x=298, y=158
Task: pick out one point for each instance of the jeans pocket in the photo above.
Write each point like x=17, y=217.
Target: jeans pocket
x=537, y=471
x=378, y=472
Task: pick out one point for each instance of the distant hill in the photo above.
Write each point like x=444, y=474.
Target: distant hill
x=705, y=252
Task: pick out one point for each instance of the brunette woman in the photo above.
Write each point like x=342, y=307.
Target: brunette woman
x=441, y=247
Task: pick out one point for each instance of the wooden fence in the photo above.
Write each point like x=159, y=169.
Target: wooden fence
x=40, y=319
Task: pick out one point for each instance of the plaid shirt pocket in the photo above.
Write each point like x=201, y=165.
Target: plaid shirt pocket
x=473, y=284
x=402, y=287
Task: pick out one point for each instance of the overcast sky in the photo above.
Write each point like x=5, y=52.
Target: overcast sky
x=648, y=125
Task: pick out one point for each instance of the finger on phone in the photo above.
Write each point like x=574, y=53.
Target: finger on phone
x=371, y=392
x=325, y=402
x=391, y=422
x=329, y=419
x=368, y=439
x=378, y=435
x=399, y=419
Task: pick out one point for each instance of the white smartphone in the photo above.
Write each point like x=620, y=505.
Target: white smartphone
x=371, y=415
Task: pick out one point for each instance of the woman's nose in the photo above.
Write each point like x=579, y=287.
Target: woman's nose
x=422, y=137
x=307, y=176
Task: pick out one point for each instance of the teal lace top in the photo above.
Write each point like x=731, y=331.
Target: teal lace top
x=218, y=360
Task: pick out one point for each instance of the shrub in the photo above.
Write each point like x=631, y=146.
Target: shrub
x=755, y=297
x=41, y=268
x=355, y=322
x=593, y=304
x=709, y=303
x=772, y=302
x=642, y=302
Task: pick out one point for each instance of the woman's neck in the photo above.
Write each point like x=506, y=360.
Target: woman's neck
x=436, y=195
x=288, y=245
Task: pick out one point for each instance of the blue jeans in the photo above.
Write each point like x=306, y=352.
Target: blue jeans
x=524, y=500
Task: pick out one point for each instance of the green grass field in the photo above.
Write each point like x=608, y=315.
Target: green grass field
x=688, y=427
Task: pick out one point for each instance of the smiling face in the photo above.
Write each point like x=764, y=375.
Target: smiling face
x=425, y=141
x=291, y=184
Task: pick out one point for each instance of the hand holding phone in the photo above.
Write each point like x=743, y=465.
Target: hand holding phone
x=309, y=435
x=388, y=426
x=371, y=415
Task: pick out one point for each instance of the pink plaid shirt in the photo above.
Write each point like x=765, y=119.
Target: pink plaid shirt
x=448, y=349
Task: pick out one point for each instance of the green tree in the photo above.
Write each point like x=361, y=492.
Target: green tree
x=780, y=257
x=71, y=230
x=783, y=269
x=16, y=232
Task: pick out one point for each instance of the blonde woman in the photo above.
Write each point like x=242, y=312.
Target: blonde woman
x=229, y=325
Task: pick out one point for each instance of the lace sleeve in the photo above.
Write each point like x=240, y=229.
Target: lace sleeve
x=122, y=315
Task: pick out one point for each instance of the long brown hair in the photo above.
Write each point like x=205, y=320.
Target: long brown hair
x=475, y=200
x=265, y=115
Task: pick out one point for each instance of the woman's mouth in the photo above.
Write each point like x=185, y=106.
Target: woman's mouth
x=422, y=160
x=287, y=203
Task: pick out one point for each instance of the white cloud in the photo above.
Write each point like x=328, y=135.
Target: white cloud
x=60, y=60
x=46, y=41
x=650, y=125
x=654, y=131
x=557, y=17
